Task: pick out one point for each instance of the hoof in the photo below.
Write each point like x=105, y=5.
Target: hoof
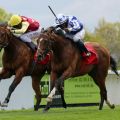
x=46, y=109
x=100, y=108
x=65, y=106
x=113, y=106
x=36, y=108
x=4, y=104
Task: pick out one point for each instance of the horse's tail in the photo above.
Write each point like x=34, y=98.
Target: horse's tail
x=113, y=65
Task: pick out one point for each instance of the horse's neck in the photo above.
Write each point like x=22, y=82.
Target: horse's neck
x=62, y=46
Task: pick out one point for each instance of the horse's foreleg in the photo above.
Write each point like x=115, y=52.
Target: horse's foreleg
x=36, y=87
x=62, y=97
x=58, y=86
x=49, y=99
x=53, y=89
x=51, y=95
x=16, y=81
x=5, y=73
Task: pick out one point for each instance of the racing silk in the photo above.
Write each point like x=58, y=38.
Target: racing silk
x=74, y=25
x=33, y=24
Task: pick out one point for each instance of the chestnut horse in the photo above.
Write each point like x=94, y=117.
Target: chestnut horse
x=66, y=62
x=17, y=60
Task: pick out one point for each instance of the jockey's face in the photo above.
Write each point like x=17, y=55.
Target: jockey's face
x=18, y=26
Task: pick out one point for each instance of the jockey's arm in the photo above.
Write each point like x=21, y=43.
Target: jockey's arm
x=24, y=28
x=73, y=26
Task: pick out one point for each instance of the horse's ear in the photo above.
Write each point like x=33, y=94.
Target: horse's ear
x=42, y=30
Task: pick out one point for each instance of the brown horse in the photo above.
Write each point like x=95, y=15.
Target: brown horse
x=66, y=62
x=18, y=60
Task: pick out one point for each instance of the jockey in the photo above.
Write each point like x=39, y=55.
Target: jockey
x=25, y=28
x=73, y=29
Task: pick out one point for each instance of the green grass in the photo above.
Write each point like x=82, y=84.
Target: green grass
x=79, y=113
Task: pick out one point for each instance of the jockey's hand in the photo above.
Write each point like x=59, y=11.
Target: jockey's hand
x=13, y=31
x=10, y=28
x=67, y=29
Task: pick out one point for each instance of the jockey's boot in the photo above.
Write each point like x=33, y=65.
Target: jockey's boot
x=32, y=46
x=82, y=48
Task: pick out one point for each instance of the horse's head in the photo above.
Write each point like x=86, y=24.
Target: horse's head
x=49, y=40
x=44, y=45
x=4, y=37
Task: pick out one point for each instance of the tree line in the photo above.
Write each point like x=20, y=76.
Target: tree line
x=105, y=33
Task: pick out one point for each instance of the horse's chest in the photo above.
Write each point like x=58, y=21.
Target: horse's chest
x=58, y=67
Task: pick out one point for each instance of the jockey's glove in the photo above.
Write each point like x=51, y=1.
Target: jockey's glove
x=67, y=29
x=13, y=31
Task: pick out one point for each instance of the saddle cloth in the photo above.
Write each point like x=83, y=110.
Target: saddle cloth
x=93, y=59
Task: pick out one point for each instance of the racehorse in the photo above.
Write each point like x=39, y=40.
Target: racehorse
x=67, y=62
x=17, y=60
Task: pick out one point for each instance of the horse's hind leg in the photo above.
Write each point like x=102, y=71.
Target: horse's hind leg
x=112, y=106
x=36, y=87
x=103, y=92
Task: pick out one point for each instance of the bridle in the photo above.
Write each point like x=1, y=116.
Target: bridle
x=42, y=55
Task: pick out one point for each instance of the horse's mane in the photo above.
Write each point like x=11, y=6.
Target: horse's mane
x=9, y=35
x=50, y=32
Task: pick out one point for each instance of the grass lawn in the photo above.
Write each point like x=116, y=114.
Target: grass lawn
x=78, y=113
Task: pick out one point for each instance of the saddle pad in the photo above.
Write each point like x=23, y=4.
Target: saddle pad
x=93, y=59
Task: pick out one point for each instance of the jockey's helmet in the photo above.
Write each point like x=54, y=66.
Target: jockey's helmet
x=60, y=19
x=14, y=20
